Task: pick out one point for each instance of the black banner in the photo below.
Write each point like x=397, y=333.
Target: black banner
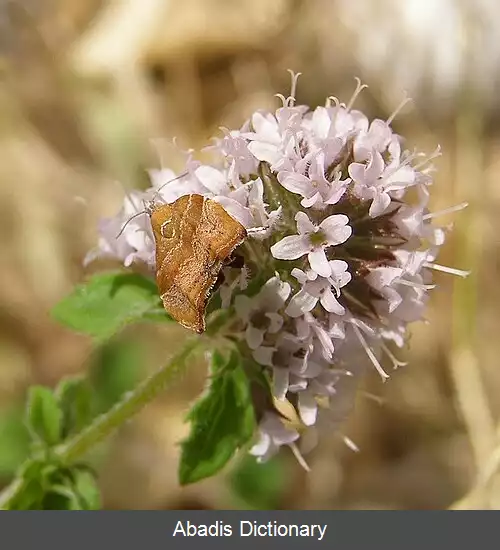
x=142, y=530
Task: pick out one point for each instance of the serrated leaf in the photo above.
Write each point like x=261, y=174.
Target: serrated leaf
x=43, y=415
x=108, y=302
x=74, y=396
x=221, y=421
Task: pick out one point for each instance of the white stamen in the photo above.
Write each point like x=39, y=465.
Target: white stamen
x=456, y=208
x=398, y=109
x=329, y=100
x=359, y=88
x=372, y=397
x=432, y=156
x=412, y=284
x=370, y=353
x=350, y=443
x=396, y=363
x=283, y=99
x=445, y=269
x=293, y=87
x=299, y=457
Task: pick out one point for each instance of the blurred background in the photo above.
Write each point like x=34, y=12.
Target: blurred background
x=91, y=95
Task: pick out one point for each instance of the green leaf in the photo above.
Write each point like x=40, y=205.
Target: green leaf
x=14, y=440
x=87, y=490
x=117, y=370
x=30, y=498
x=43, y=415
x=221, y=421
x=74, y=396
x=108, y=302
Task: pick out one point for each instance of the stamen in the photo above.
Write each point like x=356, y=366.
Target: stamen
x=359, y=88
x=395, y=361
x=293, y=88
x=398, y=109
x=370, y=353
x=456, y=208
x=437, y=153
x=445, y=269
x=329, y=100
x=283, y=99
x=299, y=457
x=414, y=285
x=350, y=443
x=372, y=397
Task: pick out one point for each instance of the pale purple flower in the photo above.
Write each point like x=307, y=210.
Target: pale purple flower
x=312, y=240
x=342, y=276
x=322, y=289
x=260, y=313
x=272, y=435
x=374, y=181
x=317, y=191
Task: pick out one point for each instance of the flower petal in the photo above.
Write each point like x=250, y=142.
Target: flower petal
x=276, y=322
x=254, y=337
x=281, y=379
x=266, y=152
x=291, y=247
x=243, y=307
x=296, y=183
x=308, y=408
x=318, y=262
x=300, y=304
x=236, y=210
x=336, y=229
x=379, y=204
x=330, y=303
x=264, y=355
x=315, y=200
x=212, y=179
x=273, y=294
x=304, y=224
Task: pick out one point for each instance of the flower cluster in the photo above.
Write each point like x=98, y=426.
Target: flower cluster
x=340, y=238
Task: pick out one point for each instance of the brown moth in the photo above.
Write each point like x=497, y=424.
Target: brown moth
x=194, y=238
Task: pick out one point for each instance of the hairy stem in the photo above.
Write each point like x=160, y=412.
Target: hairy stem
x=104, y=425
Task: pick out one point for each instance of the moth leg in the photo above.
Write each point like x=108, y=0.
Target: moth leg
x=236, y=261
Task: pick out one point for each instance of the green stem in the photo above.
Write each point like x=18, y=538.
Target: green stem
x=129, y=406
x=107, y=423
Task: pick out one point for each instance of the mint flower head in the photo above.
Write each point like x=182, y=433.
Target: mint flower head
x=338, y=261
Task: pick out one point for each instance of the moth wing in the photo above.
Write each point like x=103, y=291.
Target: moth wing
x=193, y=237
x=226, y=232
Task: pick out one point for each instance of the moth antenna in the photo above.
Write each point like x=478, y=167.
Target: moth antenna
x=129, y=220
x=157, y=192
